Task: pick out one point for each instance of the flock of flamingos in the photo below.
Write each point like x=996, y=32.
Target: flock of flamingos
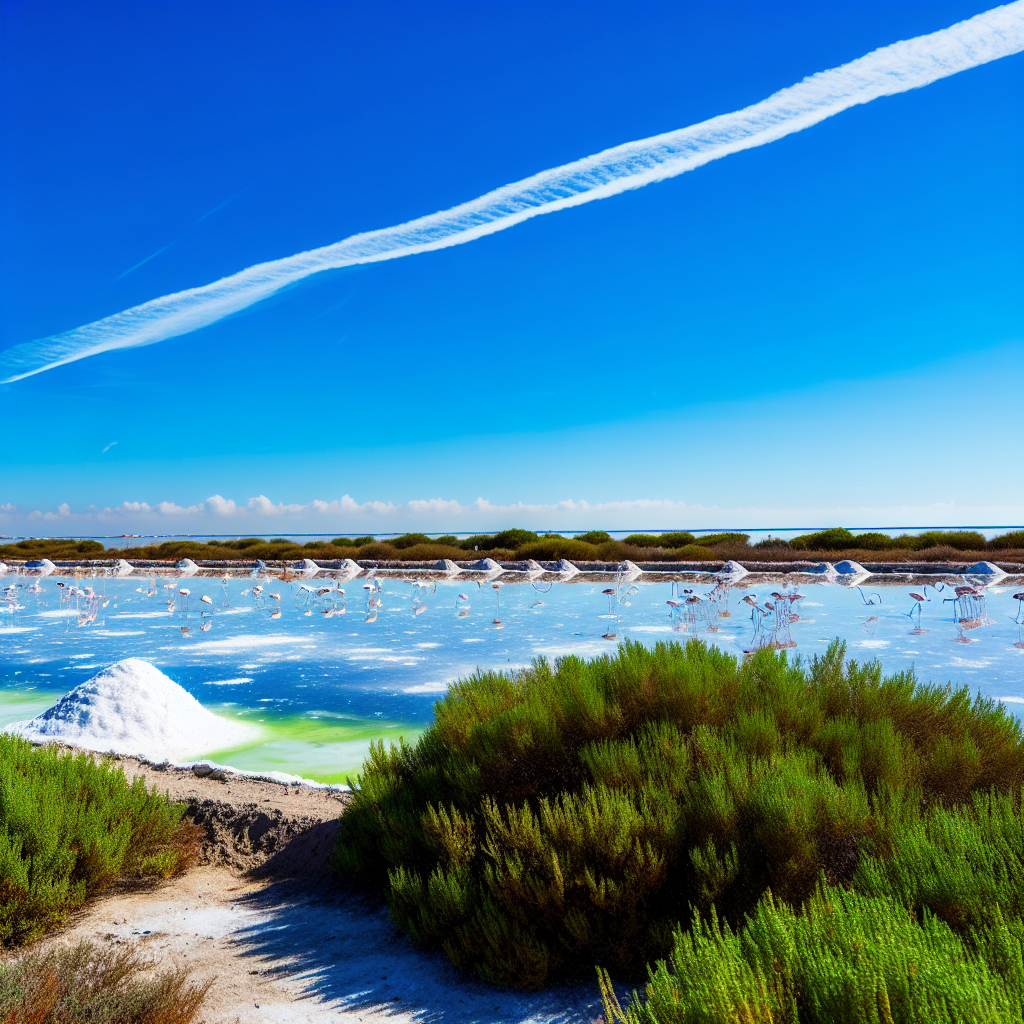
x=689, y=611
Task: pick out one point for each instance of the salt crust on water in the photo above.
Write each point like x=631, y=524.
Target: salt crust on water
x=131, y=707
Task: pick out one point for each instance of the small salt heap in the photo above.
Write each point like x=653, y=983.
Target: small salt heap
x=131, y=707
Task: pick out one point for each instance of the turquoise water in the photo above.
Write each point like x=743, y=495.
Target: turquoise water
x=325, y=674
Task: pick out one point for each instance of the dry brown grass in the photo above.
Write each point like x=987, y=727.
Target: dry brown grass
x=85, y=984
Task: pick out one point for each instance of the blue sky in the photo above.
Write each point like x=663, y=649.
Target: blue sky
x=829, y=328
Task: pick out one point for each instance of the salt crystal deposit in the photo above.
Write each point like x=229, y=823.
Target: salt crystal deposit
x=131, y=707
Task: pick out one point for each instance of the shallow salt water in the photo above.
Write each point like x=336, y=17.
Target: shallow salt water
x=323, y=676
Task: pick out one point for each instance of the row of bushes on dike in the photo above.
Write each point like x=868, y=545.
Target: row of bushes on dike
x=934, y=545
x=69, y=826
x=743, y=830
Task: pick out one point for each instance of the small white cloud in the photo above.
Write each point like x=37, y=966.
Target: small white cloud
x=107, y=449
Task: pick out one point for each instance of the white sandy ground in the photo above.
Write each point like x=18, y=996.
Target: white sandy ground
x=285, y=950
x=276, y=957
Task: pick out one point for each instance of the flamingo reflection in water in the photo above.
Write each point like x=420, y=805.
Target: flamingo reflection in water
x=609, y=592
x=771, y=625
x=719, y=598
x=969, y=609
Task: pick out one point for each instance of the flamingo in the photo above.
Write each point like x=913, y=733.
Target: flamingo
x=497, y=603
x=1019, y=598
x=919, y=599
x=185, y=592
x=206, y=600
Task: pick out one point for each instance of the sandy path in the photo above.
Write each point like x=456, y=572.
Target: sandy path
x=282, y=948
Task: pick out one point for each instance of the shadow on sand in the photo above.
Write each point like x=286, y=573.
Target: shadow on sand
x=342, y=949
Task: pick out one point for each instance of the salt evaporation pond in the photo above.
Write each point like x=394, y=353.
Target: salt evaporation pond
x=323, y=676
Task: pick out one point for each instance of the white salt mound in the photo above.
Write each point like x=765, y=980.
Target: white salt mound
x=131, y=707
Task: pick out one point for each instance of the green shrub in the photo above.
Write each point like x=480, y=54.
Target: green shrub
x=642, y=540
x=448, y=541
x=771, y=543
x=693, y=553
x=361, y=542
x=843, y=957
x=509, y=539
x=407, y=540
x=549, y=549
x=576, y=814
x=711, y=539
x=677, y=540
x=382, y=551
x=68, y=826
x=478, y=541
x=961, y=540
x=1014, y=540
x=904, y=541
x=827, y=540
x=343, y=542
x=594, y=537
x=873, y=541
x=85, y=984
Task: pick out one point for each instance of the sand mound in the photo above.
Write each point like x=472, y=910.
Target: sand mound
x=131, y=707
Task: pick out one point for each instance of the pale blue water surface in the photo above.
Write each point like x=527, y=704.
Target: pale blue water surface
x=326, y=673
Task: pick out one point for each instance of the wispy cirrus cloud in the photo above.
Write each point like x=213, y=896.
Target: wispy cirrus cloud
x=884, y=72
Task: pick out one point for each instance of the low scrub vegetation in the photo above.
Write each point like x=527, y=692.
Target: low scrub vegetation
x=934, y=545
x=69, y=826
x=85, y=984
x=792, y=817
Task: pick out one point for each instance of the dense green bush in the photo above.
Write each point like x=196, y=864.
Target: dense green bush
x=873, y=541
x=407, y=540
x=693, y=553
x=448, y=540
x=677, y=539
x=962, y=540
x=571, y=815
x=68, y=826
x=711, y=539
x=510, y=539
x=1007, y=540
x=827, y=540
x=478, y=541
x=643, y=540
x=343, y=542
x=549, y=549
x=594, y=537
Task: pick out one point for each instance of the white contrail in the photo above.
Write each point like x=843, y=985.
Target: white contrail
x=883, y=72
